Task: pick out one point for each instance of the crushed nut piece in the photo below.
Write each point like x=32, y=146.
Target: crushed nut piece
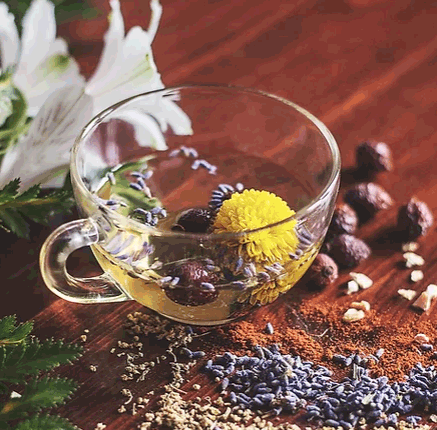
x=93, y=368
x=363, y=305
x=407, y=294
x=412, y=259
x=196, y=387
x=361, y=279
x=410, y=247
x=352, y=287
x=87, y=331
x=423, y=302
x=83, y=338
x=416, y=275
x=121, y=409
x=100, y=426
x=431, y=289
x=433, y=418
x=352, y=315
x=421, y=338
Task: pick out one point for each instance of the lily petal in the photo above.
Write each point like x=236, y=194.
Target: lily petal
x=44, y=151
x=57, y=70
x=147, y=131
x=156, y=9
x=137, y=74
x=112, y=48
x=39, y=31
x=9, y=40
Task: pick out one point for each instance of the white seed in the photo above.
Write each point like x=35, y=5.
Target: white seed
x=423, y=302
x=363, y=305
x=83, y=338
x=416, y=275
x=361, y=279
x=352, y=315
x=407, y=294
x=352, y=287
x=196, y=387
x=100, y=426
x=412, y=259
x=433, y=418
x=15, y=395
x=410, y=247
x=421, y=338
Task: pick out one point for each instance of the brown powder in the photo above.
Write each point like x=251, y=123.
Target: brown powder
x=316, y=332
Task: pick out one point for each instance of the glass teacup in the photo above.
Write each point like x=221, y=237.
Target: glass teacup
x=200, y=203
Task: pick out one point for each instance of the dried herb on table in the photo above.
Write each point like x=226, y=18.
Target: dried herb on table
x=22, y=359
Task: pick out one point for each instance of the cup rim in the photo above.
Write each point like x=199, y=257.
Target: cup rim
x=311, y=206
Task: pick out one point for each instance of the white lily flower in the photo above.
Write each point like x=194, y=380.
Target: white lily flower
x=45, y=150
x=44, y=73
x=42, y=65
x=127, y=68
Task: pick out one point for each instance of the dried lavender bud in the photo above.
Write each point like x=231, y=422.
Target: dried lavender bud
x=368, y=198
x=323, y=271
x=349, y=251
x=344, y=220
x=189, y=291
x=374, y=156
x=196, y=220
x=414, y=219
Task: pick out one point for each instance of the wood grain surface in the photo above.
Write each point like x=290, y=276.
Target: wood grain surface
x=366, y=68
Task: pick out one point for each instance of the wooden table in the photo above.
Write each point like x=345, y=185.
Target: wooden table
x=366, y=68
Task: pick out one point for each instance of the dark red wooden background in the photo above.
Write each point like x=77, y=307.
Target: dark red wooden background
x=366, y=68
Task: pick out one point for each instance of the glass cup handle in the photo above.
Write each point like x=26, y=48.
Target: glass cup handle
x=53, y=257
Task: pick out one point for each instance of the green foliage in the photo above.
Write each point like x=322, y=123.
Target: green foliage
x=23, y=356
x=16, y=209
x=13, y=111
x=29, y=358
x=45, y=422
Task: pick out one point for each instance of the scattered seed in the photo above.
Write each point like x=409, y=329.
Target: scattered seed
x=83, y=338
x=93, y=368
x=410, y=247
x=421, y=338
x=426, y=347
x=196, y=387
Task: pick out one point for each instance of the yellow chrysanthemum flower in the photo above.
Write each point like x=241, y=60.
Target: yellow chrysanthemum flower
x=254, y=209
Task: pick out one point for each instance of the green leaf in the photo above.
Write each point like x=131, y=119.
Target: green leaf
x=46, y=422
x=7, y=325
x=34, y=356
x=12, y=334
x=38, y=394
x=17, y=209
